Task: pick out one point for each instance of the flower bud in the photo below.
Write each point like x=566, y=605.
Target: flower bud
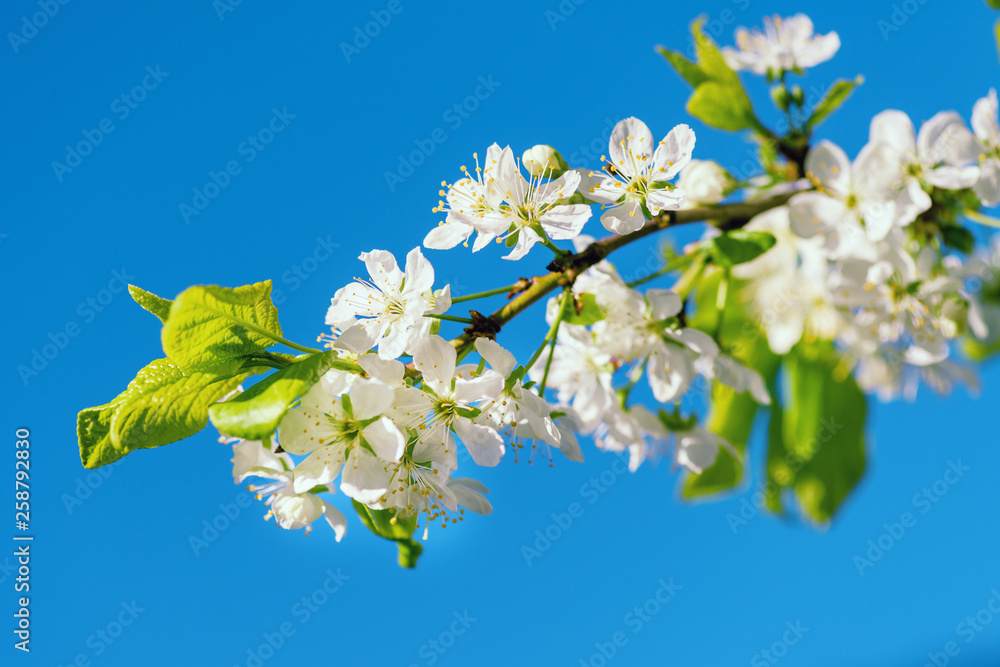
x=542, y=160
x=705, y=182
x=954, y=317
x=780, y=96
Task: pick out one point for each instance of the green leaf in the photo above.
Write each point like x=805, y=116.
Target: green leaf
x=710, y=59
x=255, y=413
x=958, y=238
x=823, y=431
x=161, y=405
x=399, y=531
x=583, y=310
x=731, y=417
x=690, y=72
x=740, y=246
x=154, y=304
x=995, y=4
x=722, y=106
x=211, y=327
x=836, y=95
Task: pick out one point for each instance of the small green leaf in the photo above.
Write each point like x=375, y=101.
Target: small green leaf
x=740, y=246
x=690, y=72
x=710, y=58
x=161, y=405
x=836, y=95
x=154, y=304
x=722, y=106
x=255, y=413
x=958, y=238
x=399, y=531
x=211, y=327
x=583, y=310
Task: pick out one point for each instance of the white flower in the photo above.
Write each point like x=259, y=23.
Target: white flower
x=705, y=182
x=516, y=409
x=349, y=433
x=580, y=372
x=987, y=129
x=637, y=175
x=390, y=305
x=848, y=198
x=291, y=508
x=473, y=203
x=789, y=285
x=533, y=211
x=446, y=403
x=784, y=44
x=944, y=155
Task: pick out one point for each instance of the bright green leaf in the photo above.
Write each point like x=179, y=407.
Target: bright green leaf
x=836, y=95
x=583, y=310
x=690, y=72
x=161, y=405
x=211, y=327
x=731, y=417
x=723, y=106
x=823, y=431
x=164, y=404
x=154, y=304
x=255, y=413
x=740, y=246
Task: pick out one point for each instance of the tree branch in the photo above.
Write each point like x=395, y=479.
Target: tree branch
x=564, y=271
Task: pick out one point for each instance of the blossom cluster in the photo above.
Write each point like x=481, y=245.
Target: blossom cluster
x=868, y=254
x=863, y=257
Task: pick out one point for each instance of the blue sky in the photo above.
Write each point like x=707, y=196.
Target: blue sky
x=672, y=583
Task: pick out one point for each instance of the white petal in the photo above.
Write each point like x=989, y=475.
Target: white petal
x=320, y=467
x=499, y=359
x=673, y=153
x=448, y=235
x=364, y=476
x=385, y=438
x=469, y=494
x=624, y=219
x=565, y=222
x=631, y=146
x=389, y=371
x=370, y=398
x=483, y=442
x=336, y=519
x=435, y=359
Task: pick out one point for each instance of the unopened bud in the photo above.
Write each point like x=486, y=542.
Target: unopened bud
x=542, y=160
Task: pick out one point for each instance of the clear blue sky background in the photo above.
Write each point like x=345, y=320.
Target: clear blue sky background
x=323, y=176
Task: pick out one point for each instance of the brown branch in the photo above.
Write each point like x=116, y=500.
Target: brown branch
x=563, y=271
